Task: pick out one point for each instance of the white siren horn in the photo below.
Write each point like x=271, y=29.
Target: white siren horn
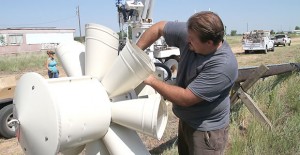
x=72, y=56
x=146, y=115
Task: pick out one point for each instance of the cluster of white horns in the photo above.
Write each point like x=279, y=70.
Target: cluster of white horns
x=98, y=107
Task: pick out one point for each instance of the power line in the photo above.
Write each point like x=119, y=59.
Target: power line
x=48, y=22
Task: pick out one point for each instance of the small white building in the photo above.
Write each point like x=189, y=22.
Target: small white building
x=296, y=32
x=18, y=40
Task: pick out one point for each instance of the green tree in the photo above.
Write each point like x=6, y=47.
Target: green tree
x=1, y=39
x=80, y=39
x=297, y=28
x=280, y=32
x=233, y=32
x=272, y=32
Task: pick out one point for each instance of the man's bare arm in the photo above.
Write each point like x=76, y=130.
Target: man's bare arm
x=151, y=35
x=175, y=94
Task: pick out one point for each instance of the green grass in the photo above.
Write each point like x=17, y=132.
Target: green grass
x=21, y=62
x=279, y=99
x=234, y=40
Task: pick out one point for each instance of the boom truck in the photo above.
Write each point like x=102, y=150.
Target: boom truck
x=137, y=16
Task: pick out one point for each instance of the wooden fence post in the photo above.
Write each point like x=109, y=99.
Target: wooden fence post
x=240, y=93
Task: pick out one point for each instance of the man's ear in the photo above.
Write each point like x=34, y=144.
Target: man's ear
x=210, y=43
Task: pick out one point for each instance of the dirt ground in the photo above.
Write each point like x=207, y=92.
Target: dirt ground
x=11, y=146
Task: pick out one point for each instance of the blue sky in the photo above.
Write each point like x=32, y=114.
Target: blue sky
x=237, y=15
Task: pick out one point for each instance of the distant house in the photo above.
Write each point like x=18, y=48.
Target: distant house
x=18, y=40
x=296, y=32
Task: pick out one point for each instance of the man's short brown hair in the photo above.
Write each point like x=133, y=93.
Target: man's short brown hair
x=208, y=25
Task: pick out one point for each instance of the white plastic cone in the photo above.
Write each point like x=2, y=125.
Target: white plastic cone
x=101, y=46
x=120, y=140
x=60, y=114
x=72, y=56
x=146, y=115
x=130, y=68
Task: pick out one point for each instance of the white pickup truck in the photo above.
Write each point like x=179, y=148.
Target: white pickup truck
x=258, y=40
x=282, y=39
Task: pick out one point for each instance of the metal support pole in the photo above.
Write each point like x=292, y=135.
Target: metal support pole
x=78, y=15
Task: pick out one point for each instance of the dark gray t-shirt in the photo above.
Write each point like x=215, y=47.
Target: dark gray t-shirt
x=209, y=77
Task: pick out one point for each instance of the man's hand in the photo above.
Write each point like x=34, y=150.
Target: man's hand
x=150, y=79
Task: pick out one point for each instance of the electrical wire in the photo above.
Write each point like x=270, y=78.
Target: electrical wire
x=53, y=21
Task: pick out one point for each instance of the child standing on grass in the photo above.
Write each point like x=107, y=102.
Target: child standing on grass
x=51, y=65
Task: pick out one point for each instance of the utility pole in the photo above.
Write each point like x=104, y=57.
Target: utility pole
x=78, y=15
x=225, y=32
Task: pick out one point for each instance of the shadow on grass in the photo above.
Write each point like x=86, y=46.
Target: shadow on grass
x=164, y=146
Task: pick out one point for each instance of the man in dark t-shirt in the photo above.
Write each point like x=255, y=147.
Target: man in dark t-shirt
x=206, y=72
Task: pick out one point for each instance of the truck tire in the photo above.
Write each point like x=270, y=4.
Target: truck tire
x=266, y=50
x=6, y=114
x=273, y=49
